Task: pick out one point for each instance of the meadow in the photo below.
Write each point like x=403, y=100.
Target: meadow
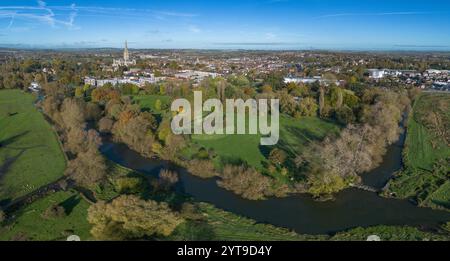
x=423, y=145
x=426, y=154
x=32, y=224
x=30, y=155
x=295, y=136
x=148, y=102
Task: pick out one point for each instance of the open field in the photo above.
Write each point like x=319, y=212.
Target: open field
x=31, y=225
x=295, y=135
x=148, y=102
x=30, y=155
x=427, y=153
x=424, y=143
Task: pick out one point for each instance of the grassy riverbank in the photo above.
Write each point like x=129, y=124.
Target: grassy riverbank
x=425, y=176
x=30, y=155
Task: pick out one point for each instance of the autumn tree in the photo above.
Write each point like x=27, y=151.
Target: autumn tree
x=136, y=130
x=167, y=179
x=246, y=182
x=79, y=140
x=88, y=168
x=277, y=156
x=73, y=113
x=105, y=125
x=129, y=217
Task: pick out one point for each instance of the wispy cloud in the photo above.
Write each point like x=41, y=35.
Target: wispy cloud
x=121, y=12
x=373, y=14
x=40, y=13
x=65, y=16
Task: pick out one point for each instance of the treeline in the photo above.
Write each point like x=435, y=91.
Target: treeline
x=86, y=166
x=336, y=162
x=63, y=71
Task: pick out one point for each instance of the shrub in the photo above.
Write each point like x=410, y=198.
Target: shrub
x=277, y=156
x=168, y=178
x=53, y=212
x=129, y=185
x=105, y=125
x=201, y=168
x=246, y=182
x=2, y=216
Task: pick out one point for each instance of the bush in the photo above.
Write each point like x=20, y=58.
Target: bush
x=168, y=178
x=53, y=212
x=2, y=216
x=105, y=125
x=246, y=182
x=201, y=168
x=277, y=156
x=129, y=185
x=203, y=154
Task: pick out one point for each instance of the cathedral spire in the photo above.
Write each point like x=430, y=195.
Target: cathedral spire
x=126, y=54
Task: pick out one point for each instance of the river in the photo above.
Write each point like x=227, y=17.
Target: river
x=351, y=208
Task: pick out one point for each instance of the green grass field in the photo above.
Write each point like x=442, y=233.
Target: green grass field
x=30, y=156
x=424, y=147
x=295, y=135
x=30, y=225
x=148, y=102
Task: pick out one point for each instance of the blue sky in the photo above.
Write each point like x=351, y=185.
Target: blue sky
x=230, y=24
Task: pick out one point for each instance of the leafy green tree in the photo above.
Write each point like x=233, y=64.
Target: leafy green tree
x=323, y=183
x=79, y=92
x=345, y=115
x=158, y=105
x=308, y=107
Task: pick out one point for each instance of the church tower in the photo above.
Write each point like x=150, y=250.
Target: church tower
x=126, y=54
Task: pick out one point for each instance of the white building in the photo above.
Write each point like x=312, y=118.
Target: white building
x=34, y=87
x=376, y=73
x=310, y=80
x=138, y=81
x=90, y=81
x=195, y=75
x=301, y=80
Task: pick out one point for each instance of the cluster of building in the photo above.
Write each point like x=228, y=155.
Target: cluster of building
x=301, y=67
x=196, y=76
x=138, y=81
x=314, y=79
x=435, y=79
